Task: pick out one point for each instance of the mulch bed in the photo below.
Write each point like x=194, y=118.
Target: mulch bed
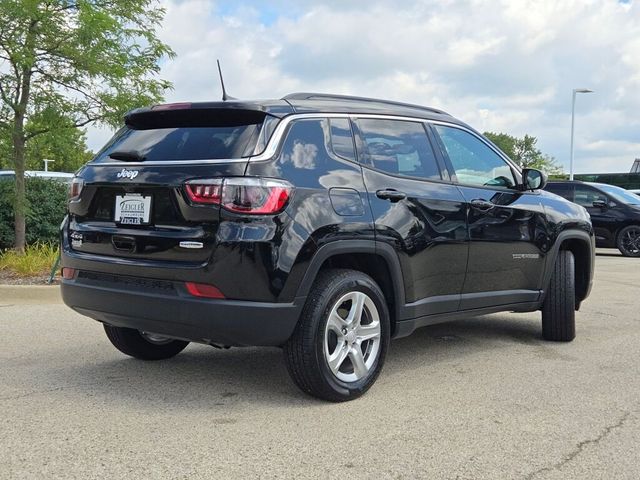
x=10, y=278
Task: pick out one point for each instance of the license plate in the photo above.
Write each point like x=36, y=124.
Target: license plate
x=133, y=209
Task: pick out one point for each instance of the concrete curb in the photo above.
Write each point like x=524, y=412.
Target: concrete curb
x=29, y=294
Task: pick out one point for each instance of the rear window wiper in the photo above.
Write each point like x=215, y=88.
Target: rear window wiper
x=127, y=155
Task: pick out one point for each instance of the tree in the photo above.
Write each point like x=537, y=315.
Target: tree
x=66, y=146
x=524, y=152
x=67, y=63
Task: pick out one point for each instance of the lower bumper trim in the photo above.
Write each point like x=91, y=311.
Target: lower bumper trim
x=223, y=322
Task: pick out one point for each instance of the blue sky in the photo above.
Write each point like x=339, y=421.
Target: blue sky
x=506, y=65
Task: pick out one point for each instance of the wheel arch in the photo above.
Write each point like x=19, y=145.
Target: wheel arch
x=581, y=245
x=378, y=260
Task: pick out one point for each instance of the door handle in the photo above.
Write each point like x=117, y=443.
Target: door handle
x=124, y=243
x=390, y=194
x=480, y=204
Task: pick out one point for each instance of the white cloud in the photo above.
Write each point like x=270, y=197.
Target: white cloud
x=506, y=65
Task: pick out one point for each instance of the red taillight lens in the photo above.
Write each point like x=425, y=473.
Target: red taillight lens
x=203, y=290
x=76, y=187
x=205, y=191
x=256, y=196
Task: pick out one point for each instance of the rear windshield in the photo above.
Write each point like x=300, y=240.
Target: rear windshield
x=183, y=143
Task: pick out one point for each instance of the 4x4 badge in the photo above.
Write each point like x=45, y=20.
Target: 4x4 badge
x=131, y=174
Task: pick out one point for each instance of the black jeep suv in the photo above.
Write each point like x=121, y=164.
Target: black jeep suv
x=323, y=224
x=614, y=211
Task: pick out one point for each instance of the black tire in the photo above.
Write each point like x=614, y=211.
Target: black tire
x=628, y=241
x=131, y=342
x=559, y=307
x=304, y=352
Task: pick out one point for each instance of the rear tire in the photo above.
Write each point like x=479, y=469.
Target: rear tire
x=628, y=241
x=135, y=344
x=339, y=345
x=559, y=307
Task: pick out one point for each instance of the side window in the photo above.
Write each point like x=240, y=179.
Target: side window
x=398, y=147
x=585, y=196
x=342, y=138
x=473, y=161
x=305, y=147
x=563, y=189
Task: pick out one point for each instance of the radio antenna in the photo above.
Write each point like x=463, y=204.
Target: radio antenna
x=225, y=97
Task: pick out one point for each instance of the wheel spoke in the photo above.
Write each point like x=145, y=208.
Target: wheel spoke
x=336, y=359
x=357, y=360
x=357, y=305
x=336, y=322
x=368, y=332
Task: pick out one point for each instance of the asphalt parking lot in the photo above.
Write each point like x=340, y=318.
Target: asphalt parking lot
x=479, y=398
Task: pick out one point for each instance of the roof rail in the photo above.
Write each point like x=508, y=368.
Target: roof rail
x=350, y=98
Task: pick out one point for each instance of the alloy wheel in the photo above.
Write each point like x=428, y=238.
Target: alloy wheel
x=630, y=241
x=352, y=337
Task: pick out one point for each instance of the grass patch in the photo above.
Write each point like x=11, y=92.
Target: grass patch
x=37, y=260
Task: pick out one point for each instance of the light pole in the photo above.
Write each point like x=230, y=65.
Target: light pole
x=46, y=164
x=573, y=119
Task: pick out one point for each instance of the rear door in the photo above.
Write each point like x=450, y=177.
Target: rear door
x=135, y=204
x=507, y=227
x=416, y=211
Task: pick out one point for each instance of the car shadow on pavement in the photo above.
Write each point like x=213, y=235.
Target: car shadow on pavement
x=202, y=377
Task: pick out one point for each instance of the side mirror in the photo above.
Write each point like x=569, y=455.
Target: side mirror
x=600, y=204
x=533, y=179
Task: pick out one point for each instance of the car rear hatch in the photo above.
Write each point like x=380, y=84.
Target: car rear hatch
x=132, y=202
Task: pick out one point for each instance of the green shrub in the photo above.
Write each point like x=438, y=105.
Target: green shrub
x=38, y=259
x=46, y=206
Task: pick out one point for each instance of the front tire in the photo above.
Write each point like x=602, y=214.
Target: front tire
x=144, y=346
x=339, y=345
x=559, y=307
x=628, y=241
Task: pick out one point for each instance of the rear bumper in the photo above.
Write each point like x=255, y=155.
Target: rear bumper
x=174, y=313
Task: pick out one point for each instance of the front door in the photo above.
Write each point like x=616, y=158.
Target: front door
x=507, y=227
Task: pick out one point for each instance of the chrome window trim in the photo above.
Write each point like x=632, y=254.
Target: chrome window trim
x=281, y=128
x=170, y=162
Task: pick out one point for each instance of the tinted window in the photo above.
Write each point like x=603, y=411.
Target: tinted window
x=473, y=161
x=305, y=146
x=398, y=147
x=184, y=143
x=585, y=196
x=342, y=139
x=620, y=194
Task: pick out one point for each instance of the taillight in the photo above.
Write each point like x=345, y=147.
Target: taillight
x=251, y=195
x=76, y=187
x=205, y=191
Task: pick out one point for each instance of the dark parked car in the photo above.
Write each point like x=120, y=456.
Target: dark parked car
x=615, y=213
x=323, y=224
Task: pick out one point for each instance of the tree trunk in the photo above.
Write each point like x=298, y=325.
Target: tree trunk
x=20, y=207
x=19, y=141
